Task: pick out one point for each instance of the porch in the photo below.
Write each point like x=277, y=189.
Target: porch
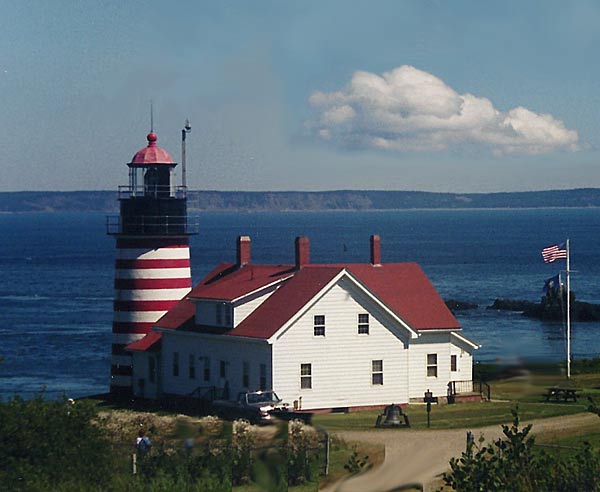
x=462, y=391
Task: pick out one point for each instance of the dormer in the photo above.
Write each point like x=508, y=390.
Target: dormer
x=214, y=312
x=227, y=314
x=227, y=299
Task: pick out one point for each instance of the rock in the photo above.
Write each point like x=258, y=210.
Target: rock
x=551, y=308
x=454, y=305
x=502, y=304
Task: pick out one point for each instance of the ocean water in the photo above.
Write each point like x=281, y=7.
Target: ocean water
x=56, y=278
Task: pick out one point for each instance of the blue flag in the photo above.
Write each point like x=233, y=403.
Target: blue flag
x=552, y=284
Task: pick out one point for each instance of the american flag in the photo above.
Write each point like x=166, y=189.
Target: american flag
x=554, y=252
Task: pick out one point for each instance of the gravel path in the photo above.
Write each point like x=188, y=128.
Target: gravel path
x=422, y=456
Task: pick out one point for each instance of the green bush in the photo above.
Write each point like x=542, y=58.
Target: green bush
x=356, y=463
x=242, y=440
x=512, y=463
x=181, y=472
x=303, y=448
x=51, y=445
x=62, y=446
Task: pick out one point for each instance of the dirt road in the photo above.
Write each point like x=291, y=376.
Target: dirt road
x=421, y=456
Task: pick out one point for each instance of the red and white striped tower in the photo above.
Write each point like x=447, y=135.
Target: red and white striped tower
x=152, y=267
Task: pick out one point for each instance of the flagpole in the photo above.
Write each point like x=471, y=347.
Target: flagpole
x=568, y=314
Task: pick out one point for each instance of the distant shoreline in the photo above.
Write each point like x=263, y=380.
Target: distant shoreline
x=298, y=211
x=307, y=201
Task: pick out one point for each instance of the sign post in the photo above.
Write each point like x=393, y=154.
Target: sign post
x=428, y=399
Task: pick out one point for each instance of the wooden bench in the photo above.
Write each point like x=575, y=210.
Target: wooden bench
x=565, y=394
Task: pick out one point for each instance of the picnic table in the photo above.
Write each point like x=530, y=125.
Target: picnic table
x=564, y=394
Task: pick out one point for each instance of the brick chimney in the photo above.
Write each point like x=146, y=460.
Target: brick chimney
x=302, y=251
x=375, y=249
x=243, y=250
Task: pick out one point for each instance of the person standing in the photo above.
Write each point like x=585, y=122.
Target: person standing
x=142, y=444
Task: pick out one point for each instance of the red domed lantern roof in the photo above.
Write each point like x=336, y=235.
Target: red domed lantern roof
x=152, y=154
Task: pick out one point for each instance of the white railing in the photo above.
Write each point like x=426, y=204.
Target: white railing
x=156, y=191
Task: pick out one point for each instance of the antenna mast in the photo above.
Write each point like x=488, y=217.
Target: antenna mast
x=151, y=116
x=184, y=131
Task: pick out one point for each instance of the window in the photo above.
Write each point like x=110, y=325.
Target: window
x=223, y=314
x=223, y=369
x=453, y=363
x=263, y=377
x=319, y=325
x=305, y=376
x=206, y=368
x=192, y=367
x=432, y=365
x=246, y=374
x=363, y=324
x=377, y=372
x=175, y=363
x=152, y=369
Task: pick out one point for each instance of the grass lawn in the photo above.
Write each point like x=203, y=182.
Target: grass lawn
x=576, y=438
x=457, y=416
x=528, y=392
x=532, y=388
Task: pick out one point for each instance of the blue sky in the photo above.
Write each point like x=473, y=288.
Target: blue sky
x=433, y=95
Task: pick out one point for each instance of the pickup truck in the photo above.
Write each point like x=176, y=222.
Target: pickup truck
x=259, y=407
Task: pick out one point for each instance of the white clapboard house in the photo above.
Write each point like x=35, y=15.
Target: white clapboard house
x=323, y=336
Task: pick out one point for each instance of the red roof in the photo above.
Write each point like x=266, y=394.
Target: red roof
x=286, y=301
x=401, y=287
x=213, y=286
x=152, y=154
x=227, y=282
x=406, y=290
x=150, y=343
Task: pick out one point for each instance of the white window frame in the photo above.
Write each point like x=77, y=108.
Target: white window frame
x=363, y=324
x=223, y=314
x=377, y=372
x=175, y=364
x=245, y=374
x=152, y=369
x=228, y=315
x=206, y=368
x=432, y=365
x=223, y=369
x=453, y=363
x=319, y=325
x=262, y=383
x=305, y=376
x=192, y=366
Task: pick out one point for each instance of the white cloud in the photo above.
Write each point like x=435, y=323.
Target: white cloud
x=409, y=109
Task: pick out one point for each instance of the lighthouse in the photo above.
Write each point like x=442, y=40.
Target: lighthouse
x=152, y=265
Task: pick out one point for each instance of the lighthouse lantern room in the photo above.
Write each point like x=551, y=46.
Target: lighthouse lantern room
x=152, y=266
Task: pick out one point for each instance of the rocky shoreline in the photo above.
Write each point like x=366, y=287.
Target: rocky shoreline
x=550, y=308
